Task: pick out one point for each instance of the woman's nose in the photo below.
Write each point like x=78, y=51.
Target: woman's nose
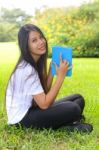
x=41, y=41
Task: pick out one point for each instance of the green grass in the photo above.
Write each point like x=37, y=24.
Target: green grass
x=85, y=80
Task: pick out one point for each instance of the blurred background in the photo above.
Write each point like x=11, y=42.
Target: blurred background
x=67, y=23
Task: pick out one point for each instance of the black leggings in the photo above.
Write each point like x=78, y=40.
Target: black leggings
x=61, y=113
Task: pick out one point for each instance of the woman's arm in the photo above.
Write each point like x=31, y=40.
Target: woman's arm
x=49, y=78
x=45, y=100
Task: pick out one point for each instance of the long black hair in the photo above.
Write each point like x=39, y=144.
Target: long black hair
x=41, y=65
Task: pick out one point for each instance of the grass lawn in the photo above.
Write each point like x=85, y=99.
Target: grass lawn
x=85, y=80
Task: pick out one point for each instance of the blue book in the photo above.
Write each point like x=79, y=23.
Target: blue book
x=66, y=53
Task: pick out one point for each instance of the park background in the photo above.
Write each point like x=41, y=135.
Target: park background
x=76, y=27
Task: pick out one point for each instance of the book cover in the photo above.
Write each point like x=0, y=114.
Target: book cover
x=66, y=55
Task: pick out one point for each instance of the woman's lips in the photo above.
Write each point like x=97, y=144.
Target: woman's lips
x=42, y=48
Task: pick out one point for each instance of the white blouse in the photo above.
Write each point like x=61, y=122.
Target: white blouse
x=24, y=83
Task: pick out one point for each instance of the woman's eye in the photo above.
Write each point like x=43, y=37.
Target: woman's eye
x=34, y=40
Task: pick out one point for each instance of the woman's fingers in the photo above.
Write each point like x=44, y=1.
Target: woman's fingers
x=62, y=62
x=66, y=62
x=70, y=67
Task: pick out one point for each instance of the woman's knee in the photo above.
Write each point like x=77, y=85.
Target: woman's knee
x=72, y=107
x=81, y=98
x=76, y=109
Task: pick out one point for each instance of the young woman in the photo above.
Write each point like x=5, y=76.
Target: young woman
x=30, y=99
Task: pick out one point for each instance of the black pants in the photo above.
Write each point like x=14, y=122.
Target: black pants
x=61, y=113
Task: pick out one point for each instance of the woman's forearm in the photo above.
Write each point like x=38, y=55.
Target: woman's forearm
x=46, y=100
x=51, y=95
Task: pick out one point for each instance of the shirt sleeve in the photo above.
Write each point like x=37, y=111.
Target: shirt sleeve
x=32, y=84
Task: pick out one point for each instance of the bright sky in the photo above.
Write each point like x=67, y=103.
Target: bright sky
x=30, y=5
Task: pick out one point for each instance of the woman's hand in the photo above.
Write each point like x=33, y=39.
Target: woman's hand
x=63, y=68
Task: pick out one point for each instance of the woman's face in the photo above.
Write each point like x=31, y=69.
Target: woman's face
x=36, y=43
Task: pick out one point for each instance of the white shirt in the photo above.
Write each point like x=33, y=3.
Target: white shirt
x=24, y=83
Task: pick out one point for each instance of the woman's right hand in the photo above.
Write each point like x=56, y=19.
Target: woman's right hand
x=62, y=69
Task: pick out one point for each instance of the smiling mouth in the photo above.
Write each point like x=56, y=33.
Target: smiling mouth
x=42, y=48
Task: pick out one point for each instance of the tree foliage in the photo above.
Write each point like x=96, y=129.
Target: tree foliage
x=10, y=22
x=74, y=27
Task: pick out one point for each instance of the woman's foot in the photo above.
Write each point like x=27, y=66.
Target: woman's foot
x=80, y=127
x=82, y=118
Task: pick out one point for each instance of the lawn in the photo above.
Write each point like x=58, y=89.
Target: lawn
x=85, y=80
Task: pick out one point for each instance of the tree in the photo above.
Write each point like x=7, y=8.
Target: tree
x=17, y=16
x=74, y=27
x=10, y=22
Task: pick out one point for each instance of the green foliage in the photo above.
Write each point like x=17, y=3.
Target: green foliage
x=10, y=22
x=53, y=23
x=16, y=15
x=73, y=27
x=76, y=27
x=8, y=33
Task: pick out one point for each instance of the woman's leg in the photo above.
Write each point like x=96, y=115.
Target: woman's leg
x=56, y=116
x=76, y=98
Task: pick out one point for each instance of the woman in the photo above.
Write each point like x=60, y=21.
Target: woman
x=30, y=99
